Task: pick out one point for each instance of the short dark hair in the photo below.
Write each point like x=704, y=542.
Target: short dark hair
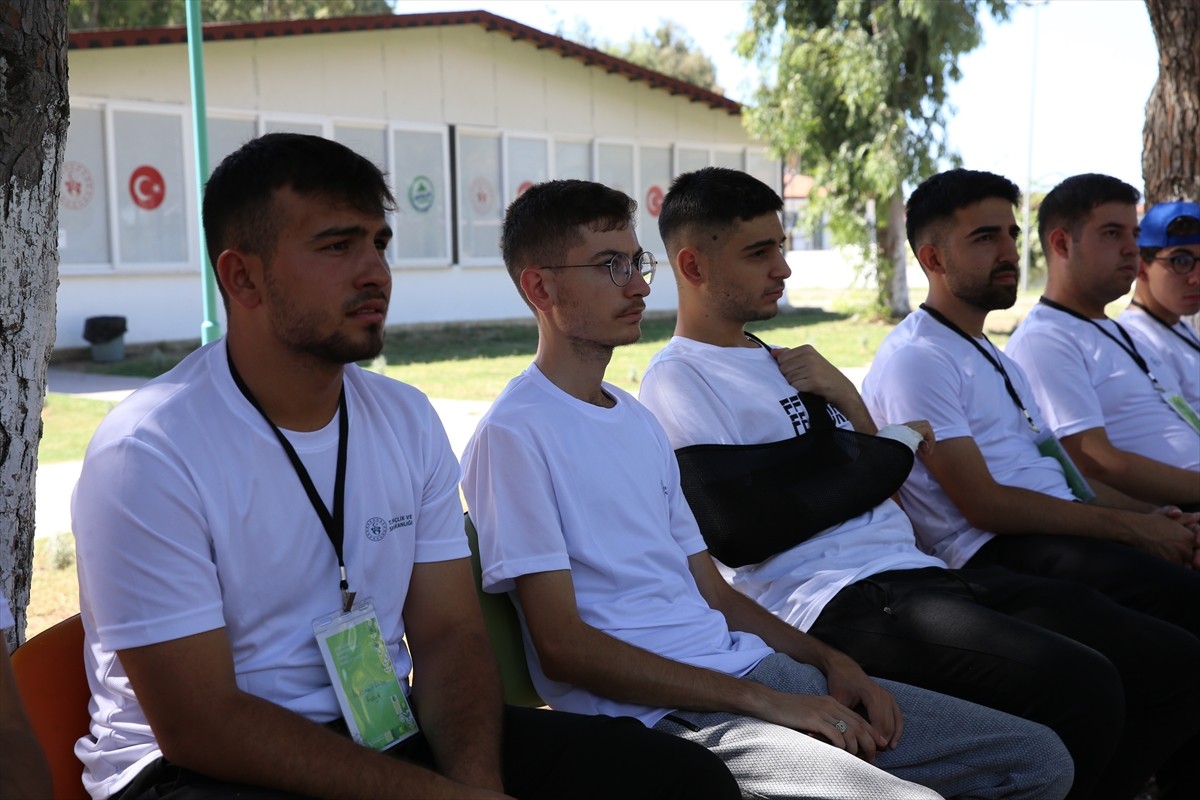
x=1069, y=204
x=938, y=198
x=238, y=207
x=713, y=197
x=544, y=223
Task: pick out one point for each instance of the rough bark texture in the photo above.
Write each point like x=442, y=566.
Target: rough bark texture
x=894, y=248
x=33, y=127
x=1171, y=137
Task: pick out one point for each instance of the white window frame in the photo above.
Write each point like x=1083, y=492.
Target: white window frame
x=400, y=193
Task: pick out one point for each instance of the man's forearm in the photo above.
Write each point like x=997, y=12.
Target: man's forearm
x=1135, y=475
x=457, y=687
x=252, y=741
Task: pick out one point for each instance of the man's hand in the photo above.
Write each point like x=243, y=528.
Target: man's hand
x=1168, y=537
x=852, y=687
x=808, y=371
x=1191, y=521
x=928, y=437
x=819, y=716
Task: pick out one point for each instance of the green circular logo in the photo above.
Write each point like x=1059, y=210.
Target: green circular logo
x=420, y=194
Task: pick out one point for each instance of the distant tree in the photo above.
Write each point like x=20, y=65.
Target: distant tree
x=88, y=14
x=669, y=50
x=856, y=90
x=1171, y=136
x=34, y=110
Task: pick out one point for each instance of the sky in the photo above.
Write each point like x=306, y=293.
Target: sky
x=1095, y=62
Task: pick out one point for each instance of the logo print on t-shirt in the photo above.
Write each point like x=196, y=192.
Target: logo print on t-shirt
x=797, y=413
x=376, y=528
x=838, y=417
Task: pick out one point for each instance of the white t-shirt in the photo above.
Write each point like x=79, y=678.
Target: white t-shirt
x=554, y=483
x=924, y=370
x=1172, y=347
x=704, y=394
x=189, y=517
x=1082, y=380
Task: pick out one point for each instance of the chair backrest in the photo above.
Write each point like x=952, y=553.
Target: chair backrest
x=54, y=689
x=504, y=630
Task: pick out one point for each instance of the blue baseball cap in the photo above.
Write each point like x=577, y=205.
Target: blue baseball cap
x=1170, y=225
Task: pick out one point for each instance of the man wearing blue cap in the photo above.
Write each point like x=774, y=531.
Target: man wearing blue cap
x=1107, y=395
x=1168, y=289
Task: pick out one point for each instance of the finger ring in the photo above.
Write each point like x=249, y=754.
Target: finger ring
x=840, y=725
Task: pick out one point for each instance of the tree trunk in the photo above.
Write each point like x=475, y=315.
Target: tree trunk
x=893, y=249
x=34, y=108
x=1171, y=136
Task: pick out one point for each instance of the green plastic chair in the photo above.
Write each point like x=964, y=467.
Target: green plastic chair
x=504, y=631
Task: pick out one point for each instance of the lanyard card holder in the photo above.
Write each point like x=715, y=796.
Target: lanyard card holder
x=1049, y=445
x=373, y=703
x=1181, y=407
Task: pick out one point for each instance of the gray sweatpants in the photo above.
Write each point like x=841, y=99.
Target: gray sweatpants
x=949, y=747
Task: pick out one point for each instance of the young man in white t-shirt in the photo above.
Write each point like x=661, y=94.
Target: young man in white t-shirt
x=1031, y=646
x=238, y=506
x=575, y=492
x=1167, y=290
x=990, y=493
x=1112, y=401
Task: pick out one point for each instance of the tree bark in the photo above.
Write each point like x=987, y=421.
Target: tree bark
x=34, y=110
x=1171, y=136
x=893, y=249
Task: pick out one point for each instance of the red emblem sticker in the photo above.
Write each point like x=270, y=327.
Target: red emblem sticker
x=481, y=195
x=524, y=187
x=654, y=198
x=77, y=187
x=147, y=187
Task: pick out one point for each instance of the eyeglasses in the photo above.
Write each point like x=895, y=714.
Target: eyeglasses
x=1181, y=263
x=620, y=267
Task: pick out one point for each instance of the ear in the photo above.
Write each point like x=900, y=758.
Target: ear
x=538, y=289
x=241, y=275
x=930, y=257
x=1060, y=242
x=689, y=266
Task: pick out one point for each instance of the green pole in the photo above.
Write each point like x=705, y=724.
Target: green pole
x=210, y=328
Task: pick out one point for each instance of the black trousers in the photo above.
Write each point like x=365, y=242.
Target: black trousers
x=549, y=755
x=1119, y=687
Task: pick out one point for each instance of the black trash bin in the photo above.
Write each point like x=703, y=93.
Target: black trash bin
x=107, y=337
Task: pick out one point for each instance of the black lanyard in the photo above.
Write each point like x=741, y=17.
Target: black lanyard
x=1130, y=350
x=335, y=522
x=1188, y=340
x=995, y=362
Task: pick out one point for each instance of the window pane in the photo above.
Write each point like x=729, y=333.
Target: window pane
x=479, y=204
x=151, y=194
x=369, y=142
x=656, y=179
x=422, y=208
x=691, y=159
x=615, y=169
x=731, y=159
x=282, y=126
x=225, y=136
x=573, y=160
x=83, y=192
x=527, y=165
x=764, y=168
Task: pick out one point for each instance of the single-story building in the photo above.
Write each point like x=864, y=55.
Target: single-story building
x=462, y=110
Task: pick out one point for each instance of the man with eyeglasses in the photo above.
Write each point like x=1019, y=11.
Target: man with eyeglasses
x=575, y=492
x=1107, y=395
x=1168, y=290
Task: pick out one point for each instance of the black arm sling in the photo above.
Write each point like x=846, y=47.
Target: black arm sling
x=754, y=501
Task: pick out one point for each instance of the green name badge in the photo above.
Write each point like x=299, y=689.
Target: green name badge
x=373, y=703
x=1185, y=411
x=1049, y=446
